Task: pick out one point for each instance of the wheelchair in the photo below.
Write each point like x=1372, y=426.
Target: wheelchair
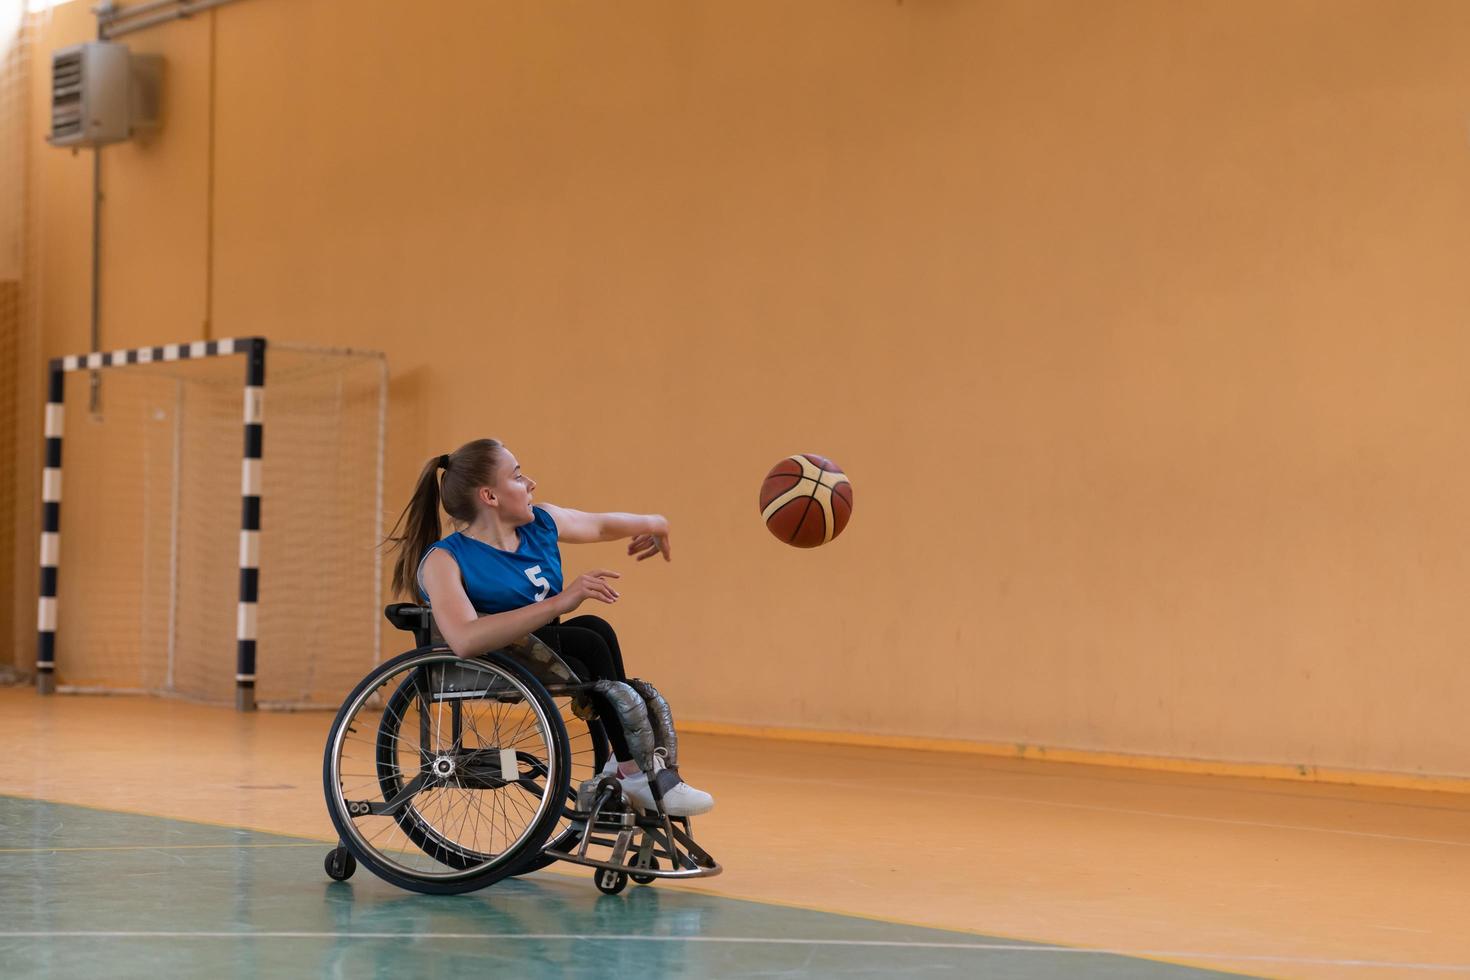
x=444, y=775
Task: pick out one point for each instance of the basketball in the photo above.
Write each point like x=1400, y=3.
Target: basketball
x=806, y=500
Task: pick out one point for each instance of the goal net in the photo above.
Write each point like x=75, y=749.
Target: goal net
x=188, y=560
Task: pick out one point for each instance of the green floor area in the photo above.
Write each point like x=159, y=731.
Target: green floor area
x=90, y=893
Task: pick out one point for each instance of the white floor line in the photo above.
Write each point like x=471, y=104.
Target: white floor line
x=1028, y=948
x=148, y=847
x=1031, y=801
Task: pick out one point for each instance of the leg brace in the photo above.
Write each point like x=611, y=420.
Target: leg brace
x=663, y=719
x=633, y=717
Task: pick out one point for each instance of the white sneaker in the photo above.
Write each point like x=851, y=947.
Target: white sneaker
x=684, y=800
x=678, y=797
x=637, y=792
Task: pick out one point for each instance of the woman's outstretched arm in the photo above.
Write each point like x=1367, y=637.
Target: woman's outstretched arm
x=649, y=532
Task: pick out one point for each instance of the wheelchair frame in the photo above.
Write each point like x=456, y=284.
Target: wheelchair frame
x=602, y=831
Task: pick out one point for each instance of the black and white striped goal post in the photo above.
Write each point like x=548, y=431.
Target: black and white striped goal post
x=253, y=349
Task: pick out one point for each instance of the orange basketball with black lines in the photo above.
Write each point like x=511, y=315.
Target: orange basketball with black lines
x=806, y=500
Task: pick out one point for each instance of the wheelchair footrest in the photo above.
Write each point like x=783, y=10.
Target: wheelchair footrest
x=636, y=844
x=634, y=869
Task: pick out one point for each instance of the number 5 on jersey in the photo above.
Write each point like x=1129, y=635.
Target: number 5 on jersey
x=534, y=574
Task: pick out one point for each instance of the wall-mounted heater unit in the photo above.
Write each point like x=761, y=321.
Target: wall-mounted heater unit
x=102, y=93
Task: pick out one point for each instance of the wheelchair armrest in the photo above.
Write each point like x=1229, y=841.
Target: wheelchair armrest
x=409, y=616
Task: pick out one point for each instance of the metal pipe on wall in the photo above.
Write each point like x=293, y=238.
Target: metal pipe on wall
x=110, y=13
x=117, y=23
x=94, y=395
x=94, y=381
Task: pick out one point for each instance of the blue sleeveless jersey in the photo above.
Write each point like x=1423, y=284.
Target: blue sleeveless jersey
x=497, y=581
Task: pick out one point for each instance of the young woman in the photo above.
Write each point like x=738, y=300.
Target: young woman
x=499, y=578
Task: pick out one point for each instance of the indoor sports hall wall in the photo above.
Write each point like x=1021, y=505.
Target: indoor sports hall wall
x=1139, y=327
x=17, y=345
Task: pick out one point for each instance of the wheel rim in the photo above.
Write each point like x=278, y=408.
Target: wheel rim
x=425, y=752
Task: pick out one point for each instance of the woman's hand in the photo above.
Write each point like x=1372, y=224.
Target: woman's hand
x=589, y=585
x=652, y=543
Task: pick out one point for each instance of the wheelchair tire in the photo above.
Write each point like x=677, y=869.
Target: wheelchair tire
x=340, y=864
x=447, y=862
x=647, y=879
x=610, y=882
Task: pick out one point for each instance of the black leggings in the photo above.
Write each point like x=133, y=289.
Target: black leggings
x=589, y=646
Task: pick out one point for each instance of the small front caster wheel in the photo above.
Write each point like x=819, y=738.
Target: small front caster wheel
x=340, y=864
x=647, y=879
x=610, y=882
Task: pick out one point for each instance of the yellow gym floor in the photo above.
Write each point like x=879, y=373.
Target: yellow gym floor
x=832, y=851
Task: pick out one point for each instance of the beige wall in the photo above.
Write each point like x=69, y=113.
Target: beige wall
x=13, y=50
x=1140, y=328
x=17, y=343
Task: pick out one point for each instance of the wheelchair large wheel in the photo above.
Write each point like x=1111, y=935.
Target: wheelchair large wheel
x=445, y=775
x=587, y=751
